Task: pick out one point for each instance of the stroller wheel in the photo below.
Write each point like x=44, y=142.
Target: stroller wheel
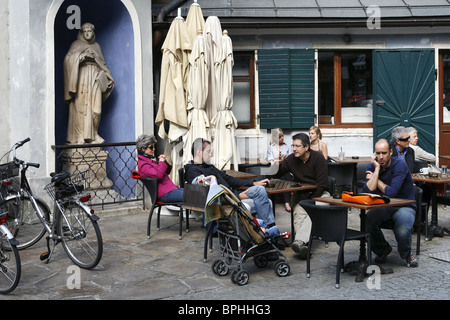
x=220, y=268
x=282, y=269
x=260, y=261
x=241, y=278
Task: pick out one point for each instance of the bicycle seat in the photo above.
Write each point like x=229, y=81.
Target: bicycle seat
x=57, y=178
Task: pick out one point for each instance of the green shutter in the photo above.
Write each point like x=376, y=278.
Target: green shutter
x=286, y=88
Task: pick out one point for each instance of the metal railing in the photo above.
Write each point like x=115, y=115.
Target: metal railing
x=110, y=166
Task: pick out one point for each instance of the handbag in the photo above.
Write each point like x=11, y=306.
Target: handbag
x=364, y=198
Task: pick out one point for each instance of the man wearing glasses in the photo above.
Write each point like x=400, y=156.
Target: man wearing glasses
x=308, y=167
x=401, y=148
x=390, y=176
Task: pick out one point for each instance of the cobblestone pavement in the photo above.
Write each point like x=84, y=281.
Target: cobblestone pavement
x=164, y=267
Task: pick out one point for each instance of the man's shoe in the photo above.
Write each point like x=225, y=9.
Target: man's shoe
x=411, y=261
x=382, y=258
x=300, y=248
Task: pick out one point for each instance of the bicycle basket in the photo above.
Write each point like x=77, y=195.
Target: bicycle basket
x=9, y=170
x=69, y=187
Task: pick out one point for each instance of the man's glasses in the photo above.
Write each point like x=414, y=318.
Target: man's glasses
x=294, y=146
x=404, y=139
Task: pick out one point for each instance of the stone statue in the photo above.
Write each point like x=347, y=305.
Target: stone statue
x=87, y=84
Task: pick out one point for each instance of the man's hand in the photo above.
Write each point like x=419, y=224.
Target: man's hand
x=262, y=182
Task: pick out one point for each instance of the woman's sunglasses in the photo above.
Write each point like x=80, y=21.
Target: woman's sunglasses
x=151, y=147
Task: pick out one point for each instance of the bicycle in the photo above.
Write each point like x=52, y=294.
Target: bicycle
x=10, y=266
x=73, y=222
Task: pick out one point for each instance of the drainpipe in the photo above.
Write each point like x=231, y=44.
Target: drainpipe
x=157, y=35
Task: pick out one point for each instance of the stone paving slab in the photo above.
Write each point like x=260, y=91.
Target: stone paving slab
x=163, y=267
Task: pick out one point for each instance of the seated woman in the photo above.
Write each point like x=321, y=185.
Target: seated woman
x=149, y=166
x=276, y=153
x=315, y=137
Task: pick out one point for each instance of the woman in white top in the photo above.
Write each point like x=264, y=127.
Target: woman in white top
x=277, y=152
x=278, y=149
x=315, y=137
x=419, y=153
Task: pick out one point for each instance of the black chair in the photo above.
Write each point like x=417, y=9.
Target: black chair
x=419, y=209
x=151, y=184
x=343, y=172
x=331, y=190
x=329, y=223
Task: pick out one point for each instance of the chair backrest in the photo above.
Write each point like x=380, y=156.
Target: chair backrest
x=329, y=223
x=418, y=193
x=181, y=179
x=332, y=185
x=151, y=184
x=342, y=172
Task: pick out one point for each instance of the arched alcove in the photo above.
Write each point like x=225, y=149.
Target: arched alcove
x=114, y=33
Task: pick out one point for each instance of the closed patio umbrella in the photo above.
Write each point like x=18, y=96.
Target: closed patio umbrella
x=173, y=91
x=198, y=84
x=213, y=39
x=224, y=122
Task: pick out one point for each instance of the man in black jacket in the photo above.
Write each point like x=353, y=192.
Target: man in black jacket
x=255, y=196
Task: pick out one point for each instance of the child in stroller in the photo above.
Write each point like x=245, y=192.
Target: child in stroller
x=241, y=236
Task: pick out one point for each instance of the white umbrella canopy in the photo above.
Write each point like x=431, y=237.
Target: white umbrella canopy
x=194, y=20
x=173, y=91
x=198, y=82
x=198, y=86
x=213, y=39
x=224, y=122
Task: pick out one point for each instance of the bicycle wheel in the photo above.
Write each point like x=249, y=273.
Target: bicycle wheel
x=23, y=220
x=10, y=267
x=80, y=236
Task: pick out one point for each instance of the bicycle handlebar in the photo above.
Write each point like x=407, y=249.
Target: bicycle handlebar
x=18, y=145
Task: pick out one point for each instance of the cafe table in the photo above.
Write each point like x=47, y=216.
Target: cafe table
x=277, y=186
x=240, y=174
x=363, y=207
x=433, y=181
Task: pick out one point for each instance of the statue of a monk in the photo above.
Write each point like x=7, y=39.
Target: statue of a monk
x=87, y=84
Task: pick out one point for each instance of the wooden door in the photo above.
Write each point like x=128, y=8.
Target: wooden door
x=444, y=106
x=404, y=85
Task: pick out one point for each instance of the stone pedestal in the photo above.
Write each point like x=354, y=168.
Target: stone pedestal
x=88, y=159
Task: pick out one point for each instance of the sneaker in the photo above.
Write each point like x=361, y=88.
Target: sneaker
x=382, y=258
x=411, y=261
x=285, y=235
x=300, y=248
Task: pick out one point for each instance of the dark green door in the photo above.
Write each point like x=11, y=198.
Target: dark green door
x=404, y=86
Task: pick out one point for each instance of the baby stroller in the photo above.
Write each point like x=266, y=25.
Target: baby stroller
x=241, y=237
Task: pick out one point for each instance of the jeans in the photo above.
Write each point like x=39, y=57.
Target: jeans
x=260, y=204
x=175, y=195
x=403, y=218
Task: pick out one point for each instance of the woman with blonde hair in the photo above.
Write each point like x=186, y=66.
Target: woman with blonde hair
x=315, y=137
x=277, y=152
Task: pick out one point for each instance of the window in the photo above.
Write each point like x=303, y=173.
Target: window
x=345, y=88
x=243, y=82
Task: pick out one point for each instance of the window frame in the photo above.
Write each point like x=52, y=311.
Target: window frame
x=251, y=80
x=338, y=94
